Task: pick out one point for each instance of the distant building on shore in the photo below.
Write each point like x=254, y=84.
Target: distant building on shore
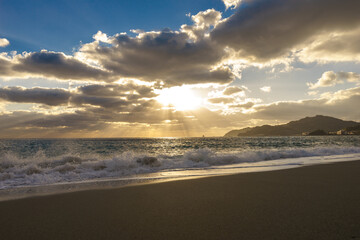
x=341, y=132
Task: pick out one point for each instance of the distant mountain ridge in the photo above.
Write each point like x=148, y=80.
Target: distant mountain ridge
x=307, y=124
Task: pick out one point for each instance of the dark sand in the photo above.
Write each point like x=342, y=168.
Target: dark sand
x=316, y=202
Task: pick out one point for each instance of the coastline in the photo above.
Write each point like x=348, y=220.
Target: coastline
x=310, y=202
x=21, y=192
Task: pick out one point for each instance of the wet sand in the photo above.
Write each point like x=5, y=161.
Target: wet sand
x=314, y=202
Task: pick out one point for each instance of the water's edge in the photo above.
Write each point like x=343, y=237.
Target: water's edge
x=173, y=175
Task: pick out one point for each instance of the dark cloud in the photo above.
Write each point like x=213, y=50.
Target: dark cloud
x=46, y=96
x=79, y=120
x=105, y=102
x=117, y=90
x=17, y=119
x=58, y=65
x=114, y=96
x=124, y=97
x=5, y=66
x=168, y=56
x=261, y=30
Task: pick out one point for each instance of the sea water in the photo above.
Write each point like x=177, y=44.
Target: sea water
x=29, y=163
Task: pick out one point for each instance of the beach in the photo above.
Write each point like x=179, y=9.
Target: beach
x=312, y=202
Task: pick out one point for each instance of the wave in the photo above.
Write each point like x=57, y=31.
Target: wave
x=42, y=170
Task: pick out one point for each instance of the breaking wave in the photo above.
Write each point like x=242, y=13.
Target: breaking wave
x=41, y=170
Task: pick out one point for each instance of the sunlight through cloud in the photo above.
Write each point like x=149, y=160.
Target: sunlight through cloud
x=180, y=98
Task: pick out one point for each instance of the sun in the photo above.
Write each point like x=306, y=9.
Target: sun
x=180, y=98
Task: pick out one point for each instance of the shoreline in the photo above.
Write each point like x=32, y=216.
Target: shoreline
x=311, y=202
x=22, y=192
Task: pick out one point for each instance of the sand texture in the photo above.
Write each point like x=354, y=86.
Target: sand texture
x=315, y=202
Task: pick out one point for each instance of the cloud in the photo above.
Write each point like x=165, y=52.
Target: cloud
x=100, y=110
x=232, y=90
x=270, y=29
x=312, y=93
x=119, y=90
x=125, y=97
x=100, y=123
x=101, y=37
x=53, y=64
x=229, y=100
x=167, y=56
x=266, y=89
x=331, y=78
x=342, y=104
x=232, y=3
x=89, y=114
x=16, y=119
x=109, y=120
x=105, y=102
x=334, y=46
x=144, y=116
x=5, y=65
x=246, y=105
x=210, y=49
x=50, y=65
x=206, y=18
x=224, y=100
x=4, y=42
x=174, y=58
x=46, y=96
x=202, y=24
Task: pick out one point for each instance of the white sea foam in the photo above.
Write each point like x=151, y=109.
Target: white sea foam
x=41, y=170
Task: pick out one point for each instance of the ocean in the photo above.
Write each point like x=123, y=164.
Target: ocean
x=31, y=166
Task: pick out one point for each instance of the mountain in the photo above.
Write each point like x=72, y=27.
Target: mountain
x=308, y=124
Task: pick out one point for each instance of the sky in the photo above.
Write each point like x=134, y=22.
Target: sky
x=166, y=68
